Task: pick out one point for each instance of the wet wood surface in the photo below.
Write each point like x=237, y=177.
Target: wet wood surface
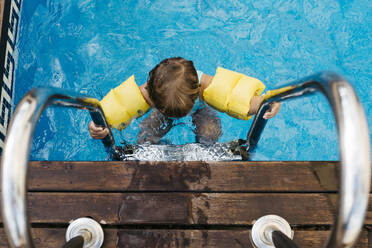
x=178, y=176
x=197, y=204
x=183, y=208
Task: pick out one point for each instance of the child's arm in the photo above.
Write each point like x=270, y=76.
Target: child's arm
x=206, y=80
x=98, y=132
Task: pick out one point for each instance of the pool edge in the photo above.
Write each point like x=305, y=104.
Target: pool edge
x=9, y=33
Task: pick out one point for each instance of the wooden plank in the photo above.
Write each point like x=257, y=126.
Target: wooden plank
x=181, y=176
x=183, y=208
x=138, y=238
x=214, y=238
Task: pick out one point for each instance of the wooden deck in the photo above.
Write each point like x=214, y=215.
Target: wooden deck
x=167, y=204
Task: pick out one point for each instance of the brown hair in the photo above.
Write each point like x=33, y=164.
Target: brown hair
x=173, y=86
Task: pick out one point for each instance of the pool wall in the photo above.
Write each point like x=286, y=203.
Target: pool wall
x=9, y=19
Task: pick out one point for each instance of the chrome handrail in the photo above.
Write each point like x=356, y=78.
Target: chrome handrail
x=15, y=156
x=354, y=148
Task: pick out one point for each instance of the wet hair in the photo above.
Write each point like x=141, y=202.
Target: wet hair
x=173, y=86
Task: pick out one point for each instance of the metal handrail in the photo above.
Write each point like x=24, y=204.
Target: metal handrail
x=354, y=148
x=15, y=156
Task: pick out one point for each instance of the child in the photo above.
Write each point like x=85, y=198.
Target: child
x=175, y=89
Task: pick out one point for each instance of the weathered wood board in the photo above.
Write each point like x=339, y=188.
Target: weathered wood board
x=180, y=176
x=183, y=208
x=176, y=204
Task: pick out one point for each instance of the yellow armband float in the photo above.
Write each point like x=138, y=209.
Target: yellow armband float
x=232, y=92
x=124, y=103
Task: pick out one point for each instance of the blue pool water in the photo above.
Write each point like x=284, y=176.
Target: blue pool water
x=91, y=46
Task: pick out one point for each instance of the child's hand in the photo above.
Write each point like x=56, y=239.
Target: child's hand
x=97, y=132
x=272, y=111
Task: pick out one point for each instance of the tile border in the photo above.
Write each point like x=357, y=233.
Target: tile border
x=9, y=35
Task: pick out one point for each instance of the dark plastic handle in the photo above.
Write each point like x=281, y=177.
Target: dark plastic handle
x=76, y=242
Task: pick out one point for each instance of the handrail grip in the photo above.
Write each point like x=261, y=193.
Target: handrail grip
x=16, y=153
x=354, y=148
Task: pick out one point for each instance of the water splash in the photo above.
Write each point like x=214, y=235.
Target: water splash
x=188, y=152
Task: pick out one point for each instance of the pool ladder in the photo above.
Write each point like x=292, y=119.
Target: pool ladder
x=354, y=148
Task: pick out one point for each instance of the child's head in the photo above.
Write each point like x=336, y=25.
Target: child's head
x=173, y=86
